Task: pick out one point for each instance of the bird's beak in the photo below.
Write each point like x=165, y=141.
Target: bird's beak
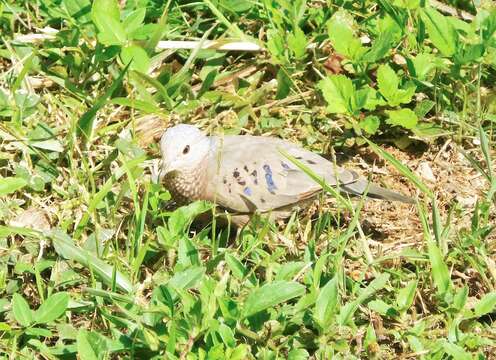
x=166, y=168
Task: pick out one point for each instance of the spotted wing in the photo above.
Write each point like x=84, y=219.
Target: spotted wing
x=249, y=173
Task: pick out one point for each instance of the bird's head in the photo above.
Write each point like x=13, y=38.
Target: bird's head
x=183, y=148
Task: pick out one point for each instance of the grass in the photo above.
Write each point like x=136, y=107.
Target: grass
x=94, y=262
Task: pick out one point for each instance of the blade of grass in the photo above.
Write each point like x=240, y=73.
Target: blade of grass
x=404, y=170
x=85, y=124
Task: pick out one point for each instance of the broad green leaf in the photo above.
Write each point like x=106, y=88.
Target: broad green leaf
x=380, y=47
x=406, y=296
x=326, y=302
x=439, y=269
x=65, y=247
x=270, y=295
x=52, y=308
x=134, y=20
x=20, y=309
x=342, y=36
x=485, y=305
x=456, y=351
x=106, y=17
x=387, y=81
x=347, y=311
x=276, y=46
x=136, y=57
x=298, y=354
x=338, y=91
x=382, y=308
x=187, y=278
x=404, y=117
x=90, y=345
x=283, y=84
x=227, y=335
x=10, y=185
x=297, y=43
x=441, y=31
x=423, y=65
x=370, y=124
x=368, y=98
x=237, y=268
x=460, y=298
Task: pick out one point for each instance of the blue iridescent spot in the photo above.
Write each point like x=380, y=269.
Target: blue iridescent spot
x=271, y=186
x=247, y=191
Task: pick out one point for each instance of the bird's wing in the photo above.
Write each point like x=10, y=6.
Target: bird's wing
x=248, y=173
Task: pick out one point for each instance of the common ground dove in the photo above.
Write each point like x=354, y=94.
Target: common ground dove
x=245, y=174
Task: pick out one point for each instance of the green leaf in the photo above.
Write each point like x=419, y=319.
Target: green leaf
x=439, y=269
x=297, y=43
x=326, y=303
x=342, y=36
x=53, y=307
x=270, y=295
x=283, y=84
x=460, y=298
x=237, y=268
x=382, y=308
x=298, y=354
x=20, y=308
x=338, y=91
x=85, y=124
x=456, y=351
x=136, y=58
x=403, y=117
x=406, y=296
x=106, y=17
x=187, y=278
x=90, y=345
x=388, y=83
x=422, y=65
x=485, y=305
x=370, y=124
x=227, y=335
x=347, y=311
x=65, y=247
x=134, y=20
x=10, y=185
x=441, y=31
x=380, y=47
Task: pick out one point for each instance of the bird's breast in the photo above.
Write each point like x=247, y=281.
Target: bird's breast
x=185, y=186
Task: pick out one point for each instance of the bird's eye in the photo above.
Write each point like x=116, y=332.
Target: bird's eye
x=186, y=149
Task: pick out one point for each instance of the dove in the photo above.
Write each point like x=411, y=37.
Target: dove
x=244, y=174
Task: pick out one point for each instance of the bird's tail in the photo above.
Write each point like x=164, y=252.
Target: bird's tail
x=374, y=191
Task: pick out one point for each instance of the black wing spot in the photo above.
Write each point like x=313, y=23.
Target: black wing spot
x=311, y=162
x=246, y=168
x=236, y=173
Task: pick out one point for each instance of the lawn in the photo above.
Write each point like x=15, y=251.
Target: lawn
x=98, y=262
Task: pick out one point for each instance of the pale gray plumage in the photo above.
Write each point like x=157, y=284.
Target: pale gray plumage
x=244, y=174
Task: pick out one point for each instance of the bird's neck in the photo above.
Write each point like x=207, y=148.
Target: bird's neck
x=187, y=185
